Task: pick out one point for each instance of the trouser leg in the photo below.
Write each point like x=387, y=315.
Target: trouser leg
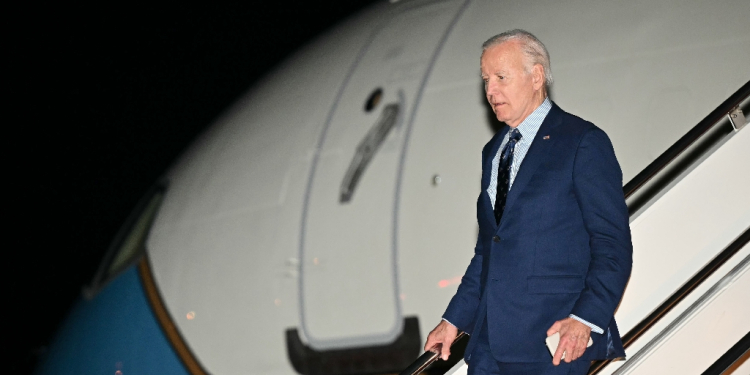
x=481, y=361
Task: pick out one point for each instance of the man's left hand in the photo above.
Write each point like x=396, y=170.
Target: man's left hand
x=574, y=336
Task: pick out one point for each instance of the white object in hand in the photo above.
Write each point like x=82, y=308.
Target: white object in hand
x=554, y=340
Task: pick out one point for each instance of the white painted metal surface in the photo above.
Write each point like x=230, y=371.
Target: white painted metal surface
x=226, y=244
x=694, y=343
x=356, y=240
x=686, y=228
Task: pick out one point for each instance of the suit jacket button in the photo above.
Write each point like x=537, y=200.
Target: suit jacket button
x=496, y=239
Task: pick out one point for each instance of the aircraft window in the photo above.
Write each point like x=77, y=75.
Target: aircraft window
x=374, y=99
x=130, y=243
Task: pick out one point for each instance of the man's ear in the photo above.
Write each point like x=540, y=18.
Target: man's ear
x=537, y=75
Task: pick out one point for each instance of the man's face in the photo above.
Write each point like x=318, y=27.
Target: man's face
x=511, y=91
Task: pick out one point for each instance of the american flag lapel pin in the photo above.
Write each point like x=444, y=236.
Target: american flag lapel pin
x=545, y=137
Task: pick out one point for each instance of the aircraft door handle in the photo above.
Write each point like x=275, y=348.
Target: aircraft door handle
x=366, y=150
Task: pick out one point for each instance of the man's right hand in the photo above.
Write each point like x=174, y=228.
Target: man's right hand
x=440, y=339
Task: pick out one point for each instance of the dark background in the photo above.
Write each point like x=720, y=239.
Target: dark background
x=101, y=100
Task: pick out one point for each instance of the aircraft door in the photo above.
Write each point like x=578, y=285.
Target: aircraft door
x=347, y=245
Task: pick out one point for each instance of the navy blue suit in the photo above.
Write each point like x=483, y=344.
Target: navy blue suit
x=563, y=246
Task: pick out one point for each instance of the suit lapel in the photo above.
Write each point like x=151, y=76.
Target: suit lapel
x=536, y=154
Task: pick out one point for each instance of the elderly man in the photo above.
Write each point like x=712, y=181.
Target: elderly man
x=553, y=253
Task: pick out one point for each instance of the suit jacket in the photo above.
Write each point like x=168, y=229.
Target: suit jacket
x=563, y=246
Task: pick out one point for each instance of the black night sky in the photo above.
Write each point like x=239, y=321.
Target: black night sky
x=102, y=100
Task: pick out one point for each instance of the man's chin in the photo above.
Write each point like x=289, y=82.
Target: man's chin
x=502, y=118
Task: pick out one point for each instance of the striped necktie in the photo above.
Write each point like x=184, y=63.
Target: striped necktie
x=503, y=173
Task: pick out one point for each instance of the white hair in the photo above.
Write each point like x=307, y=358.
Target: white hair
x=532, y=48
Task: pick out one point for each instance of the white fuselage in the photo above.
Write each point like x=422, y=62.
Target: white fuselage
x=252, y=238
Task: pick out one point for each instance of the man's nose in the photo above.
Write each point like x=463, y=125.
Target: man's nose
x=490, y=91
x=491, y=88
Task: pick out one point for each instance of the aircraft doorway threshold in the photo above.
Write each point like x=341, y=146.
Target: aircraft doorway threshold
x=690, y=222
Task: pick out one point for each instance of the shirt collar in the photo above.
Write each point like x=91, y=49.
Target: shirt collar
x=531, y=124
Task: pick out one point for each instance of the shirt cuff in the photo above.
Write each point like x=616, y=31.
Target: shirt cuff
x=594, y=328
x=450, y=323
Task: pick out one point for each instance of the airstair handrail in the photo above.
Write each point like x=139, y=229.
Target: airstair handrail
x=682, y=144
x=426, y=359
x=730, y=358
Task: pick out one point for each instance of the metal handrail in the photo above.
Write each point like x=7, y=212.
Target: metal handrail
x=428, y=358
x=687, y=140
x=731, y=357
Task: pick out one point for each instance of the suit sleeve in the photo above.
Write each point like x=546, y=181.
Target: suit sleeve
x=597, y=181
x=463, y=306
